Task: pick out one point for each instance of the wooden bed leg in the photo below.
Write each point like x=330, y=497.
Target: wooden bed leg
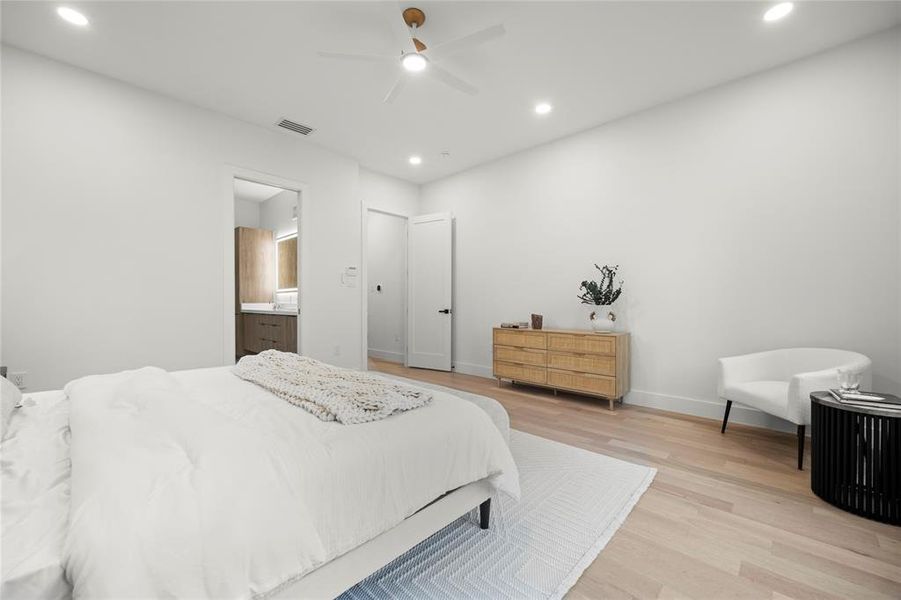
x=485, y=513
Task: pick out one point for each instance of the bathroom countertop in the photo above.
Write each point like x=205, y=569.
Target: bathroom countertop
x=263, y=311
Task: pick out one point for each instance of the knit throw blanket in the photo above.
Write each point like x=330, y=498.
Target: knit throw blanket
x=331, y=393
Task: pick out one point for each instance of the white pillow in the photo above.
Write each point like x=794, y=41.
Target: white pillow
x=10, y=398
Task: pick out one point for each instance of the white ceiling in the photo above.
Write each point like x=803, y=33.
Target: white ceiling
x=595, y=61
x=251, y=191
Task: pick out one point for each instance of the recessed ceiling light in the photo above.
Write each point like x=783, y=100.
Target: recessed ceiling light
x=415, y=160
x=778, y=11
x=543, y=108
x=414, y=62
x=72, y=16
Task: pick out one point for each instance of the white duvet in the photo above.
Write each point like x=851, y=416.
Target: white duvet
x=204, y=485
x=34, y=504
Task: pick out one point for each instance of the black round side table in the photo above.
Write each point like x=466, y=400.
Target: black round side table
x=856, y=457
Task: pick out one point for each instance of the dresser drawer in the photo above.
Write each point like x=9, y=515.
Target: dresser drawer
x=585, y=363
x=582, y=382
x=520, y=355
x=585, y=344
x=520, y=372
x=520, y=338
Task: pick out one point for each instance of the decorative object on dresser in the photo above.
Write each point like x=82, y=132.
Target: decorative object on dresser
x=596, y=364
x=599, y=297
x=537, y=321
x=856, y=454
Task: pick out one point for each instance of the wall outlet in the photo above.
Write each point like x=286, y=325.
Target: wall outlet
x=18, y=379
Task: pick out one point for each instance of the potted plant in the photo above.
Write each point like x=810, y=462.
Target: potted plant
x=599, y=297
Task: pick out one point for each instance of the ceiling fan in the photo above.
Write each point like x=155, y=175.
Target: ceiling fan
x=415, y=57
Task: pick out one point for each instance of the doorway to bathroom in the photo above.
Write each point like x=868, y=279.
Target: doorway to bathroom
x=267, y=269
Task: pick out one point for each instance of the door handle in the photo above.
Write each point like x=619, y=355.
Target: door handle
x=445, y=311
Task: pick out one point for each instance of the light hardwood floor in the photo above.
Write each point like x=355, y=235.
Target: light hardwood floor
x=728, y=516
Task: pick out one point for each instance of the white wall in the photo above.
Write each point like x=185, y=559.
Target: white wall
x=387, y=267
x=389, y=193
x=247, y=213
x=276, y=213
x=759, y=214
x=115, y=227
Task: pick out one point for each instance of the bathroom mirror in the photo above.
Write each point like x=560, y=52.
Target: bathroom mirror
x=286, y=258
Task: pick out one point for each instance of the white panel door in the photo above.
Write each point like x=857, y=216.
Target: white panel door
x=429, y=291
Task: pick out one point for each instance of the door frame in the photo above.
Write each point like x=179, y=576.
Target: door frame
x=364, y=280
x=229, y=174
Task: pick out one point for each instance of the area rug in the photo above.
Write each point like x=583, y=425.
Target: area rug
x=573, y=501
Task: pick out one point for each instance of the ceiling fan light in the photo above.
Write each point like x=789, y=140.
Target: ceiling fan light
x=415, y=160
x=72, y=16
x=543, y=108
x=778, y=11
x=414, y=62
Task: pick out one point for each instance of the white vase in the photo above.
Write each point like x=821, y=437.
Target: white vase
x=600, y=318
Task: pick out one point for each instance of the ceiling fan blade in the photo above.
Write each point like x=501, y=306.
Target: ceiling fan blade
x=394, y=15
x=452, y=80
x=363, y=57
x=470, y=41
x=395, y=89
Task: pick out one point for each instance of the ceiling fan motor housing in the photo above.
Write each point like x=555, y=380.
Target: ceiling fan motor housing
x=414, y=17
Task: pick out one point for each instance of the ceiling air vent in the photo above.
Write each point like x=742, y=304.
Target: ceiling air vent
x=295, y=127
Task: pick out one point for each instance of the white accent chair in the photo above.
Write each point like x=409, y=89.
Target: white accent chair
x=779, y=382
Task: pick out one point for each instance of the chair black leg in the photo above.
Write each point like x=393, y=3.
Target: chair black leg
x=801, y=429
x=485, y=513
x=726, y=416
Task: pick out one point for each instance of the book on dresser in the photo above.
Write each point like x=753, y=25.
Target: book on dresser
x=585, y=362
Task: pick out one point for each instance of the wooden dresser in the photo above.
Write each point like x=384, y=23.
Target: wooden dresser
x=590, y=363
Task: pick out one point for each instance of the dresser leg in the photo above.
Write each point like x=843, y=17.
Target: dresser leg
x=498, y=382
x=610, y=400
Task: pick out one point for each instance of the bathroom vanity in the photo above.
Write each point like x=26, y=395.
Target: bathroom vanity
x=268, y=331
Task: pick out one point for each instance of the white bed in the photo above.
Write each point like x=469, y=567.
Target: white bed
x=365, y=493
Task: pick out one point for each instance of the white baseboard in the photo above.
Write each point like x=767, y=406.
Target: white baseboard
x=397, y=357
x=711, y=409
x=708, y=408
x=473, y=369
